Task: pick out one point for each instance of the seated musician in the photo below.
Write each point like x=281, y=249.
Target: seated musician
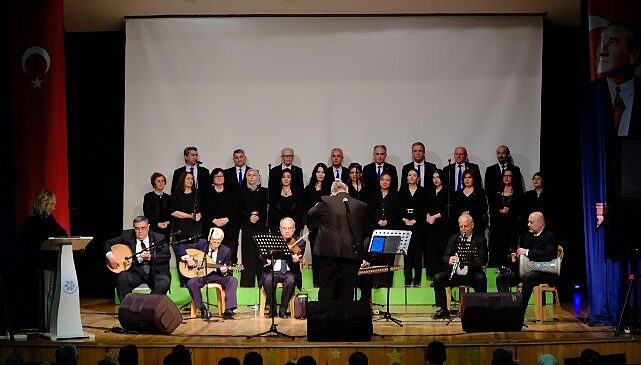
x=466, y=254
x=285, y=271
x=220, y=255
x=150, y=264
x=538, y=244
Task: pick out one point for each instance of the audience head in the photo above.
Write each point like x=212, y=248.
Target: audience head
x=358, y=358
x=128, y=355
x=66, y=355
x=589, y=357
x=13, y=359
x=178, y=356
x=547, y=359
x=253, y=358
x=107, y=361
x=229, y=361
x=435, y=353
x=306, y=360
x=503, y=356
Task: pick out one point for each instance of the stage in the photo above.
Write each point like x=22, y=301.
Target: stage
x=391, y=344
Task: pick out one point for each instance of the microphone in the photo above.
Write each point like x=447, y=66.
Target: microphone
x=199, y=162
x=269, y=165
x=345, y=201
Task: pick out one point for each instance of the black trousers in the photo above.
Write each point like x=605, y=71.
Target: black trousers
x=337, y=278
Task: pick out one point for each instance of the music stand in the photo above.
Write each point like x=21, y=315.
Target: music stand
x=390, y=242
x=274, y=247
x=65, y=319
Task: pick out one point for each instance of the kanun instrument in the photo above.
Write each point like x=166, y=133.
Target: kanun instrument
x=377, y=269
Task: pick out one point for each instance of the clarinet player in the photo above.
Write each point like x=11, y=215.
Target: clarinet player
x=466, y=253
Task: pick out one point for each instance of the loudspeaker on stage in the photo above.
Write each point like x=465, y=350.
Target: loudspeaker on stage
x=151, y=313
x=491, y=312
x=339, y=321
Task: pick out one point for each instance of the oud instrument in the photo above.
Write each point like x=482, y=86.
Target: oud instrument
x=123, y=254
x=204, y=265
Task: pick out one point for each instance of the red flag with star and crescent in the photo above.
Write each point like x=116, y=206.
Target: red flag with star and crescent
x=38, y=104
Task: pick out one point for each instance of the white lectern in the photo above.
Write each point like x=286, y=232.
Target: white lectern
x=65, y=312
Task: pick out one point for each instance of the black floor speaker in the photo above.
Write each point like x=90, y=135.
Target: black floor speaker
x=152, y=313
x=492, y=312
x=339, y=321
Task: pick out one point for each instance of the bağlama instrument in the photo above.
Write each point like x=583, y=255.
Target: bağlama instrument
x=376, y=269
x=551, y=267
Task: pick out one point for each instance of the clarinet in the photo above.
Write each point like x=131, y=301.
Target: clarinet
x=455, y=266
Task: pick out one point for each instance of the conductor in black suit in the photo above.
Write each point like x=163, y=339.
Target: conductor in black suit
x=454, y=172
x=192, y=165
x=372, y=171
x=276, y=172
x=339, y=172
x=424, y=168
x=494, y=173
x=339, y=246
x=150, y=266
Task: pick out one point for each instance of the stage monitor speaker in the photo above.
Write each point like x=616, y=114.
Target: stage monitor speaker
x=490, y=312
x=151, y=313
x=339, y=321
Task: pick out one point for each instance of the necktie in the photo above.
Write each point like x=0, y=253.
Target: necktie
x=460, y=177
x=378, y=173
x=337, y=175
x=502, y=168
x=191, y=170
x=145, y=265
x=418, y=170
x=240, y=177
x=618, y=107
x=283, y=267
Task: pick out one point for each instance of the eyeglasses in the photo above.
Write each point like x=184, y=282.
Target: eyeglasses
x=138, y=229
x=286, y=155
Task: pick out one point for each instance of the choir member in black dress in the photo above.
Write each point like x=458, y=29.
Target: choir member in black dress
x=413, y=209
x=40, y=280
x=221, y=209
x=506, y=207
x=185, y=208
x=384, y=213
x=286, y=202
x=253, y=215
x=356, y=186
x=156, y=205
x=471, y=200
x=437, y=226
x=536, y=201
x=320, y=184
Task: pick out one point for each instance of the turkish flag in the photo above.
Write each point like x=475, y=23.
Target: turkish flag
x=38, y=104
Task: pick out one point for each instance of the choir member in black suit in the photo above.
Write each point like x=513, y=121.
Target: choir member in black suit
x=372, y=171
x=319, y=185
x=469, y=249
x=338, y=171
x=384, y=212
x=413, y=209
x=453, y=173
x=149, y=266
x=253, y=220
x=339, y=250
x=276, y=172
x=221, y=209
x=156, y=205
x=472, y=200
x=538, y=244
x=193, y=166
x=39, y=285
x=438, y=228
x=494, y=173
x=285, y=271
x=425, y=169
x=185, y=208
x=356, y=185
x=285, y=202
x=220, y=255
x=506, y=208
x=235, y=176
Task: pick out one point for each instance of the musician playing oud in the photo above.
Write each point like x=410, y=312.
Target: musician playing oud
x=539, y=245
x=466, y=254
x=219, y=273
x=150, y=264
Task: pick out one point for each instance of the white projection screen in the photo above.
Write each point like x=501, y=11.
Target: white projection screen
x=314, y=83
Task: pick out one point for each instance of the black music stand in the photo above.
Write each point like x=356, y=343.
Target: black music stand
x=389, y=242
x=274, y=247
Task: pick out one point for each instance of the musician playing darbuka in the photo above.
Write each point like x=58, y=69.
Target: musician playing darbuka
x=466, y=254
x=219, y=273
x=150, y=265
x=538, y=245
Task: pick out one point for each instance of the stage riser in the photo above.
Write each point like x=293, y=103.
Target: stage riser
x=331, y=353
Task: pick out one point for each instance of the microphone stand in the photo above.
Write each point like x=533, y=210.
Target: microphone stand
x=269, y=188
x=354, y=243
x=450, y=181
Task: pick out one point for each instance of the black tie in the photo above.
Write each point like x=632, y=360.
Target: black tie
x=283, y=267
x=619, y=108
x=418, y=170
x=145, y=264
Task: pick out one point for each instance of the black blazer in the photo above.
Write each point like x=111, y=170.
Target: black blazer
x=204, y=179
x=369, y=176
x=276, y=173
x=344, y=173
x=541, y=248
x=449, y=171
x=294, y=268
x=231, y=178
x=478, y=242
x=428, y=170
x=160, y=254
x=494, y=179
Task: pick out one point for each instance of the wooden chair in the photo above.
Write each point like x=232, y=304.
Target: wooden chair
x=461, y=289
x=220, y=299
x=263, y=299
x=539, y=291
